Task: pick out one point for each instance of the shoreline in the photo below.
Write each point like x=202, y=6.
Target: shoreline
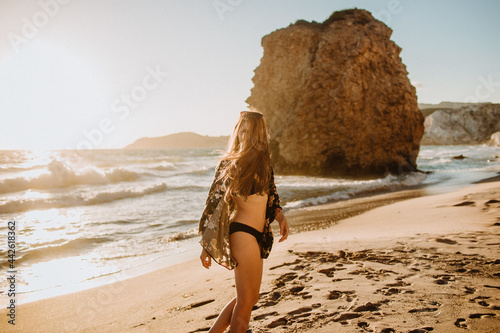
x=310, y=218
x=184, y=297
x=326, y=215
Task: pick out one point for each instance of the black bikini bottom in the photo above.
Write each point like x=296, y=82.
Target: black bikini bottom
x=237, y=226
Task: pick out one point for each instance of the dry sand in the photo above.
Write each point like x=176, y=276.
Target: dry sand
x=425, y=264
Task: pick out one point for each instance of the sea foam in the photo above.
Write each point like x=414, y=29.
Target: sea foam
x=79, y=199
x=60, y=175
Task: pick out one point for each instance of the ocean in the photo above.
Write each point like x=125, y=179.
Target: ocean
x=85, y=218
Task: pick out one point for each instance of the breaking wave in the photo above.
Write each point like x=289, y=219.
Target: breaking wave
x=356, y=188
x=61, y=175
x=191, y=233
x=70, y=200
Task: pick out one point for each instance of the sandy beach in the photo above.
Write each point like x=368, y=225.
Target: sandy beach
x=426, y=263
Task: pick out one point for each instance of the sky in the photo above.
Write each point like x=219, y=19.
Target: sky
x=95, y=74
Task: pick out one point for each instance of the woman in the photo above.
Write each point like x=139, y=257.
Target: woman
x=235, y=225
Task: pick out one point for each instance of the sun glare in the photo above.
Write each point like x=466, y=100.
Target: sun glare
x=30, y=195
x=50, y=225
x=37, y=158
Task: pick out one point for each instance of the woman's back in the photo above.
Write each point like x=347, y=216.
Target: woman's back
x=251, y=210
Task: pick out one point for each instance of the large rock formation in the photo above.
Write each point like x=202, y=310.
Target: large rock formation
x=471, y=124
x=337, y=98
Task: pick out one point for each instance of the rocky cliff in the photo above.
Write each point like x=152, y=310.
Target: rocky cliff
x=337, y=98
x=471, y=124
x=494, y=140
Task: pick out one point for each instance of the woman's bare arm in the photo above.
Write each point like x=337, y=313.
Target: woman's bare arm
x=280, y=217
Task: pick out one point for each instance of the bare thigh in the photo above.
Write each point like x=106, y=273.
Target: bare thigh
x=248, y=273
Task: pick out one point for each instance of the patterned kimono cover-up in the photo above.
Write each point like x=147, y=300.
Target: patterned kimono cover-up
x=215, y=220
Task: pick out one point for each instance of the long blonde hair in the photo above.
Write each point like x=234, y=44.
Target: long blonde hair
x=247, y=164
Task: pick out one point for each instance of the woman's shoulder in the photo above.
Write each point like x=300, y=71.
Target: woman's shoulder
x=222, y=163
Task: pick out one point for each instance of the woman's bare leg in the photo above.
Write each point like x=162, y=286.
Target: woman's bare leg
x=248, y=276
x=224, y=318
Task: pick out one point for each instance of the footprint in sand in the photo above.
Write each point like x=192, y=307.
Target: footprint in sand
x=441, y=282
x=328, y=271
x=296, y=289
x=305, y=277
x=423, y=310
x=306, y=295
x=300, y=267
x=460, y=322
x=346, y=316
x=469, y=290
x=198, y=304
x=301, y=315
x=363, y=324
x=265, y=315
x=336, y=294
x=211, y=317
x=370, y=307
x=489, y=286
x=492, y=202
x=443, y=279
x=204, y=329
x=422, y=330
x=399, y=284
x=388, y=291
x=465, y=203
x=342, y=279
x=481, y=301
x=278, y=322
x=297, y=261
x=388, y=330
x=481, y=315
x=275, y=295
x=283, y=279
x=446, y=241
x=300, y=310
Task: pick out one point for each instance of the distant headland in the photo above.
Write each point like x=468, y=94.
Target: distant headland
x=180, y=140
